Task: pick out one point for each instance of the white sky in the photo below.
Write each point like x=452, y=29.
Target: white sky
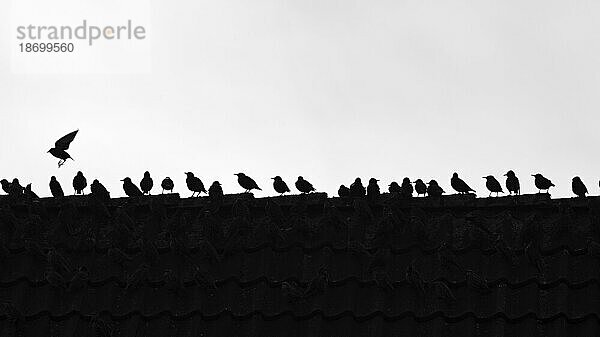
x=329, y=90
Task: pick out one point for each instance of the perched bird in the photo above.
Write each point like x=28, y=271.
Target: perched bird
x=459, y=185
x=304, y=186
x=194, y=184
x=542, y=183
x=167, y=185
x=512, y=183
x=215, y=190
x=420, y=187
x=29, y=193
x=434, y=190
x=79, y=183
x=578, y=187
x=55, y=188
x=493, y=185
x=146, y=183
x=247, y=183
x=5, y=186
x=394, y=188
x=343, y=191
x=16, y=188
x=130, y=189
x=373, y=188
x=61, y=146
x=357, y=189
x=99, y=191
x=279, y=185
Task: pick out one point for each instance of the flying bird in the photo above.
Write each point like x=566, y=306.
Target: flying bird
x=279, y=185
x=542, y=183
x=146, y=183
x=420, y=187
x=194, y=184
x=79, y=183
x=167, y=185
x=373, y=188
x=343, y=191
x=578, y=187
x=55, y=188
x=304, y=186
x=246, y=182
x=357, y=189
x=394, y=188
x=434, y=190
x=61, y=146
x=130, y=189
x=493, y=185
x=99, y=191
x=512, y=183
x=459, y=185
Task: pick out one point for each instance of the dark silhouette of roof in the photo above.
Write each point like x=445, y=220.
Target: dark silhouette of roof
x=302, y=265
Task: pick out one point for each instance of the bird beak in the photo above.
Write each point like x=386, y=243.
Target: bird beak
x=484, y=177
x=533, y=175
x=506, y=174
x=122, y=179
x=273, y=178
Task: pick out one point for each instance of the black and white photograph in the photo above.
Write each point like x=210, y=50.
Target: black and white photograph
x=299, y=168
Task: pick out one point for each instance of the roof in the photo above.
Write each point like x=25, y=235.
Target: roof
x=304, y=265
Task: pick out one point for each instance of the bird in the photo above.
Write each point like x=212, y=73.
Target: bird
x=512, y=183
x=215, y=190
x=420, y=187
x=246, y=182
x=373, y=188
x=61, y=146
x=343, y=191
x=542, y=183
x=130, y=189
x=459, y=185
x=146, y=183
x=79, y=183
x=15, y=188
x=55, y=188
x=303, y=185
x=434, y=190
x=357, y=189
x=194, y=184
x=578, y=187
x=5, y=186
x=29, y=193
x=99, y=191
x=279, y=185
x=493, y=185
x=167, y=185
x=394, y=188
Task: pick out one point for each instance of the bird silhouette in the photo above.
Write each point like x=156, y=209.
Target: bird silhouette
x=29, y=193
x=131, y=190
x=434, y=190
x=99, y=191
x=357, y=189
x=512, y=183
x=459, y=185
x=215, y=190
x=167, y=185
x=343, y=191
x=247, y=183
x=578, y=187
x=394, y=188
x=194, y=184
x=55, y=188
x=493, y=185
x=542, y=183
x=146, y=183
x=279, y=185
x=61, y=146
x=79, y=183
x=373, y=188
x=15, y=188
x=420, y=187
x=303, y=185
x=5, y=186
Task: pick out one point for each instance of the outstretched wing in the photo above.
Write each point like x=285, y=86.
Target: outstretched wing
x=65, y=141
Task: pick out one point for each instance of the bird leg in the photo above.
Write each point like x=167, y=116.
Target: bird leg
x=60, y=163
